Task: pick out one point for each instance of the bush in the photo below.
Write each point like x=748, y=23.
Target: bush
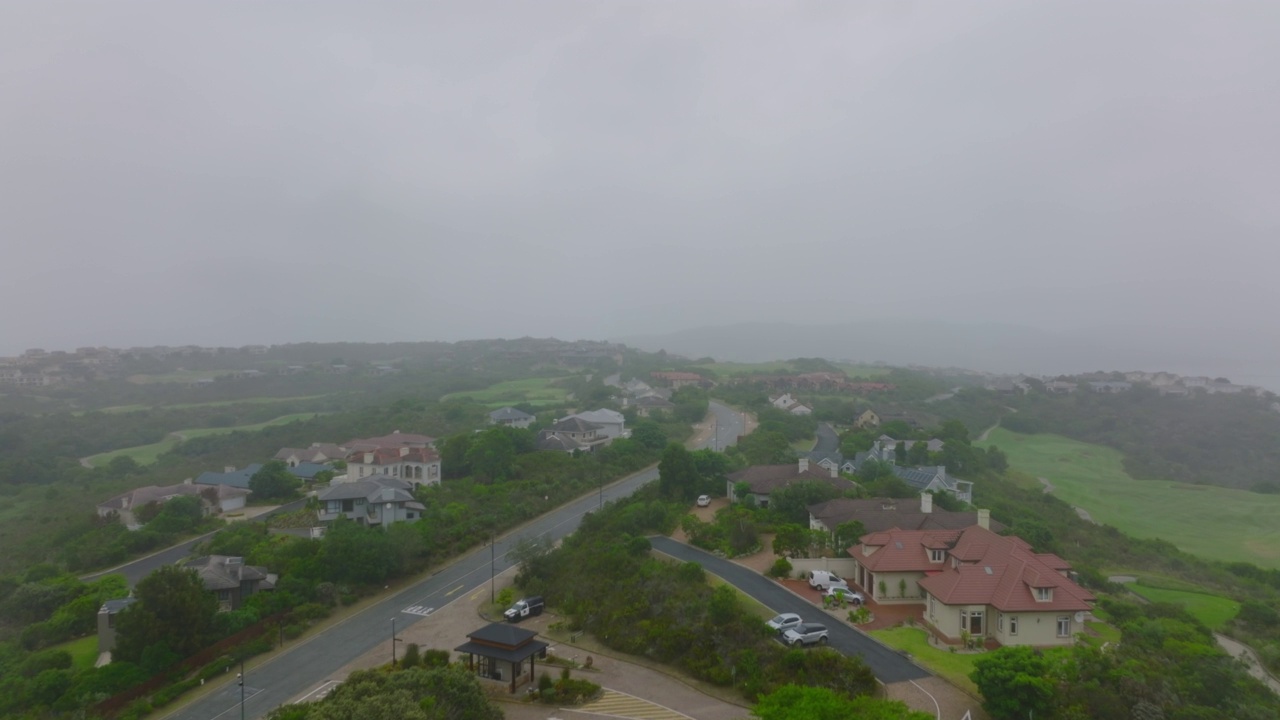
x=171, y=693
x=506, y=597
x=310, y=612
x=781, y=568
x=571, y=690
x=435, y=658
x=293, y=631
x=217, y=667
x=411, y=657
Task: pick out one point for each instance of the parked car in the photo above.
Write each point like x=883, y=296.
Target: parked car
x=704, y=500
x=806, y=634
x=524, y=608
x=823, y=579
x=784, y=622
x=842, y=590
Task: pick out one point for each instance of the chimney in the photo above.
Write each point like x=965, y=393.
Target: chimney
x=804, y=464
x=926, y=502
x=984, y=519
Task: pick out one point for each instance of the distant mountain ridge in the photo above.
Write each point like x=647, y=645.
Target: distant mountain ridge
x=990, y=347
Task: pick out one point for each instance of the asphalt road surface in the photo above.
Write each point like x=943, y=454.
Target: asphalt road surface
x=142, y=567
x=307, y=666
x=828, y=440
x=888, y=665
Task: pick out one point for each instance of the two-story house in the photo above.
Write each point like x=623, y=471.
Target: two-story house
x=375, y=500
x=230, y=579
x=511, y=417
x=572, y=434
x=417, y=465
x=611, y=423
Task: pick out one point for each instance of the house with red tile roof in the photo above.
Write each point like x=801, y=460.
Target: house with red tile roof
x=415, y=465
x=975, y=583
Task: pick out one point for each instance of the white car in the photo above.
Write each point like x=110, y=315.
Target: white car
x=704, y=500
x=784, y=622
x=852, y=596
x=806, y=634
x=823, y=579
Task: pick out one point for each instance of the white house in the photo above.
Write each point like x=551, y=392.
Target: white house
x=611, y=422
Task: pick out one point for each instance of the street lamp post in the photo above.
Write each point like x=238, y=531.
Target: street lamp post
x=240, y=679
x=492, y=557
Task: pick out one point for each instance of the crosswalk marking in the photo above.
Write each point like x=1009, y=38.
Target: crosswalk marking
x=422, y=610
x=621, y=705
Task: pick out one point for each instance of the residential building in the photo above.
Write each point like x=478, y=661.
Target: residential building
x=867, y=419
x=1110, y=386
x=1060, y=387
x=883, y=514
x=974, y=583
x=374, y=500
x=229, y=476
x=763, y=480
x=652, y=403
x=935, y=479
x=612, y=423
x=416, y=465
x=214, y=498
x=396, y=439
x=317, y=453
x=232, y=580
x=680, y=379
x=511, y=417
x=572, y=434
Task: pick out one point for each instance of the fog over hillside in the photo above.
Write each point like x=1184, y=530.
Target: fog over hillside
x=992, y=347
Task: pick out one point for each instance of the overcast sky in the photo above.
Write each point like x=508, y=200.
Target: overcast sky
x=225, y=173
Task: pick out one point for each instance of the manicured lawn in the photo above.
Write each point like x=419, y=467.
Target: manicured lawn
x=84, y=652
x=1212, y=610
x=754, y=606
x=1105, y=633
x=953, y=667
x=182, y=376
x=535, y=391
x=145, y=454
x=1212, y=522
x=115, y=409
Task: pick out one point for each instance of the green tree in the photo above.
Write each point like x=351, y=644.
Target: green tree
x=648, y=435
x=274, y=482
x=848, y=534
x=917, y=455
x=1016, y=682
x=765, y=447
x=354, y=553
x=492, y=455
x=180, y=514
x=677, y=473
x=173, y=610
x=790, y=504
x=453, y=455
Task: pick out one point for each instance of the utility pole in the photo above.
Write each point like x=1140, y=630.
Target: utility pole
x=492, y=557
x=240, y=678
x=394, y=640
x=602, y=491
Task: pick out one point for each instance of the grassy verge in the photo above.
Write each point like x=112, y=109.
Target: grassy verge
x=1213, y=522
x=84, y=651
x=1212, y=610
x=952, y=667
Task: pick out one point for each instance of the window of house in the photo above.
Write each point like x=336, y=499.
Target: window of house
x=1064, y=626
x=937, y=555
x=1013, y=624
x=410, y=516
x=348, y=505
x=976, y=627
x=1044, y=594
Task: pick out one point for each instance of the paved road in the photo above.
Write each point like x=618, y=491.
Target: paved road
x=888, y=665
x=308, y=665
x=828, y=439
x=142, y=567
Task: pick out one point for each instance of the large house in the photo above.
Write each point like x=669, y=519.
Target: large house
x=884, y=514
x=218, y=498
x=417, y=465
x=790, y=404
x=572, y=434
x=511, y=417
x=763, y=480
x=934, y=479
x=975, y=584
x=375, y=500
x=652, y=403
x=232, y=580
x=611, y=422
x=230, y=476
x=396, y=439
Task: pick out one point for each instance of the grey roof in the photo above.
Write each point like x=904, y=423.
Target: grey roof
x=920, y=478
x=222, y=572
x=653, y=401
x=308, y=471
x=509, y=414
x=882, y=514
x=375, y=488
x=111, y=607
x=574, y=423
x=502, y=634
x=600, y=416
x=235, y=478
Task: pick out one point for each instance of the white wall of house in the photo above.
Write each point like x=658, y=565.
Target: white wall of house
x=844, y=567
x=892, y=594
x=232, y=503
x=1040, y=629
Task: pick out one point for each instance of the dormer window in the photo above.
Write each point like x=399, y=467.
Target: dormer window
x=937, y=555
x=1044, y=594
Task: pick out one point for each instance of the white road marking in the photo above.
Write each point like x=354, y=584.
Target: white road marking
x=236, y=706
x=419, y=610
x=931, y=697
x=319, y=693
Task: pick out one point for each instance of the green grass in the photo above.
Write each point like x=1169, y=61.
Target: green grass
x=146, y=454
x=84, y=652
x=952, y=667
x=1212, y=522
x=753, y=606
x=534, y=391
x=1212, y=610
x=116, y=409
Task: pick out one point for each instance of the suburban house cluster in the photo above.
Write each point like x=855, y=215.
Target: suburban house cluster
x=824, y=382
x=1166, y=383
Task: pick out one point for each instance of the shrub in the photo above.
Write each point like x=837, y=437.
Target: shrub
x=171, y=693
x=781, y=568
x=506, y=597
x=435, y=658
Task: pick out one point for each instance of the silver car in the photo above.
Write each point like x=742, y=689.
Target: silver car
x=784, y=622
x=806, y=634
